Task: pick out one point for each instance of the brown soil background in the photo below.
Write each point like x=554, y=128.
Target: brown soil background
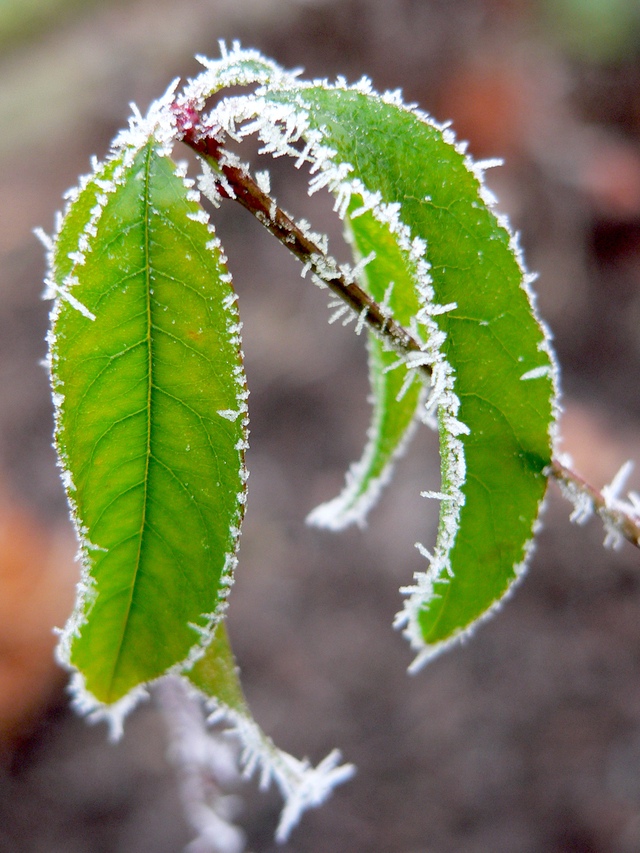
x=527, y=738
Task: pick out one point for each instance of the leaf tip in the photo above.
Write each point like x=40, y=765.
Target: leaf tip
x=85, y=703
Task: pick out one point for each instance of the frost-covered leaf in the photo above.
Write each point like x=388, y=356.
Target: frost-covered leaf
x=492, y=374
x=388, y=277
x=150, y=419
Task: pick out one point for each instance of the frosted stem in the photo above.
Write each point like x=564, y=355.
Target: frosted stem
x=237, y=183
x=620, y=518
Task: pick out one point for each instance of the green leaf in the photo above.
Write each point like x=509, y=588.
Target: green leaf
x=493, y=374
x=388, y=278
x=216, y=673
x=150, y=420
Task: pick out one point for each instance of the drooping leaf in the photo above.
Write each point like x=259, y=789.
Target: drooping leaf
x=396, y=390
x=150, y=420
x=496, y=401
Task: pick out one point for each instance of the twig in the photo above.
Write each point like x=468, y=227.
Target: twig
x=208, y=143
x=237, y=183
x=618, y=518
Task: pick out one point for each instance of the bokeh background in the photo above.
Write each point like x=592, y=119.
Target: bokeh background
x=524, y=740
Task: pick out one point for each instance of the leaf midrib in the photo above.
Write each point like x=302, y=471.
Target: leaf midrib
x=145, y=488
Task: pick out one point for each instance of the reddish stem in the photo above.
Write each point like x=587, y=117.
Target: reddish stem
x=208, y=142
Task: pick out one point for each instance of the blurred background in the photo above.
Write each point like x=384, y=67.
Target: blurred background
x=526, y=739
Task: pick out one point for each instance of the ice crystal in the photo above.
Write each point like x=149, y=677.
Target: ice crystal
x=302, y=786
x=230, y=414
x=113, y=715
x=537, y=373
x=616, y=509
x=159, y=123
x=620, y=516
x=263, y=179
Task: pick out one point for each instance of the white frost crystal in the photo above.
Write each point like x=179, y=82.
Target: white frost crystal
x=620, y=516
x=614, y=507
x=301, y=785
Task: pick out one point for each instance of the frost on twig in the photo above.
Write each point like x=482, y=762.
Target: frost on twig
x=208, y=762
x=616, y=510
x=620, y=516
x=302, y=786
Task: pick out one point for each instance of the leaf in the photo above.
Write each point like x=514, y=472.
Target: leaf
x=150, y=420
x=493, y=374
x=396, y=391
x=216, y=673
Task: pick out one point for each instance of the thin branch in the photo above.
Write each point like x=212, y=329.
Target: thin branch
x=619, y=518
x=238, y=184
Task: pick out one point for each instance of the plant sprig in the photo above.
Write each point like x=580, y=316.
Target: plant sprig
x=241, y=186
x=151, y=397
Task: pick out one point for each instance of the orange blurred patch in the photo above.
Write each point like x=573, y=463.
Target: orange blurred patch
x=37, y=579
